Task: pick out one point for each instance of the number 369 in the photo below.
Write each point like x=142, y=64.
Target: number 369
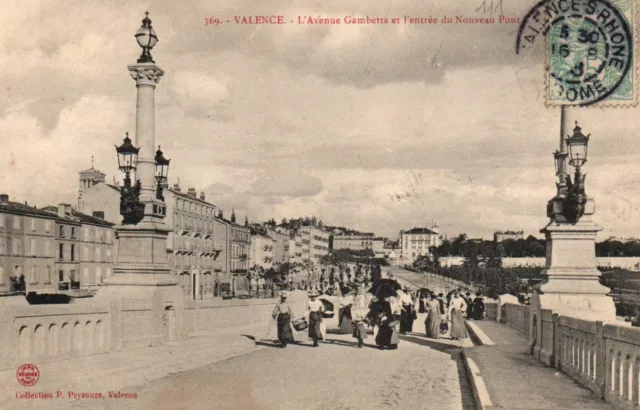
x=212, y=21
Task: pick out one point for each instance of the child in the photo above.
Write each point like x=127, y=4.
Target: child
x=359, y=329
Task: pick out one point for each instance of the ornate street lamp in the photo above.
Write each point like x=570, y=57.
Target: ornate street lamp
x=131, y=209
x=576, y=199
x=577, y=144
x=147, y=39
x=162, y=172
x=127, y=157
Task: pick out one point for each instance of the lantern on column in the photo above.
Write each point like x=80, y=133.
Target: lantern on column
x=131, y=209
x=576, y=199
x=147, y=39
x=161, y=173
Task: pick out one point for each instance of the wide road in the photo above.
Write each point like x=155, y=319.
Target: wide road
x=421, y=373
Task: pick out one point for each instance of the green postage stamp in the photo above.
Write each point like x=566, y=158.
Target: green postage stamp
x=591, y=50
x=591, y=53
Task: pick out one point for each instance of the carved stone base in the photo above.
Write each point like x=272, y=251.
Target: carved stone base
x=141, y=266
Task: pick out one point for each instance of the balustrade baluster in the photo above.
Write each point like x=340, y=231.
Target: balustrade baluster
x=635, y=383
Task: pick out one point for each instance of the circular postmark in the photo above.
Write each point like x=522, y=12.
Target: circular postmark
x=28, y=374
x=589, y=49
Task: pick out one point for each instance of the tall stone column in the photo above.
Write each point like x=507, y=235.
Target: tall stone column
x=141, y=269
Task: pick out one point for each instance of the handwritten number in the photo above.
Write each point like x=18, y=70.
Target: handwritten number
x=492, y=8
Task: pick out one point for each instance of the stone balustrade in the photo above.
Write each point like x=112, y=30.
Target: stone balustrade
x=603, y=357
x=491, y=310
x=44, y=333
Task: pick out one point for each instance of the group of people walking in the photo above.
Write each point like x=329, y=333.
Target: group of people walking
x=386, y=316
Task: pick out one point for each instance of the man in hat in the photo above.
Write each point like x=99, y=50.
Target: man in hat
x=283, y=314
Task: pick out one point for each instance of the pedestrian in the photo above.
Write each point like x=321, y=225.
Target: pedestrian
x=315, y=308
x=359, y=330
x=283, y=313
x=345, y=320
x=407, y=316
x=478, y=307
x=457, y=308
x=469, y=301
x=387, y=335
x=432, y=323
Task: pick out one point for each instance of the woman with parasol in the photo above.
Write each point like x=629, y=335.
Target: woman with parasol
x=432, y=323
x=387, y=336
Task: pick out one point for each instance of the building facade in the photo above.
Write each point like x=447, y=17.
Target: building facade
x=27, y=247
x=85, y=250
x=356, y=241
x=418, y=241
x=262, y=248
x=191, y=248
x=500, y=236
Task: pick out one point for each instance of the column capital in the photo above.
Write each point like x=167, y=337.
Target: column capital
x=146, y=73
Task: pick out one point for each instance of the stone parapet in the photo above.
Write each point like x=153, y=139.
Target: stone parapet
x=601, y=356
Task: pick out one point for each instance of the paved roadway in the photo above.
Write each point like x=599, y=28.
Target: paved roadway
x=421, y=373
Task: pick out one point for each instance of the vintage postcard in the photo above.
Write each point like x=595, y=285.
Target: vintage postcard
x=319, y=204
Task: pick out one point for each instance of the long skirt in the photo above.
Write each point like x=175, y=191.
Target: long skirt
x=457, y=325
x=387, y=336
x=359, y=330
x=346, y=324
x=432, y=325
x=406, y=322
x=284, y=328
x=314, y=325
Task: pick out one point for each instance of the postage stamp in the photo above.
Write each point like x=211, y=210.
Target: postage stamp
x=591, y=51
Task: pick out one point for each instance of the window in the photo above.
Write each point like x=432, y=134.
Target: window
x=16, y=222
x=73, y=251
x=16, y=246
x=86, y=253
x=60, y=275
x=32, y=249
x=73, y=232
x=33, y=224
x=62, y=231
x=97, y=254
x=47, y=226
x=61, y=252
x=108, y=255
x=34, y=274
x=98, y=275
x=47, y=248
x=48, y=278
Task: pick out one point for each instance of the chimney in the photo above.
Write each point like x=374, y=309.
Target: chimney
x=67, y=209
x=60, y=210
x=220, y=213
x=98, y=214
x=202, y=197
x=192, y=193
x=233, y=215
x=4, y=198
x=176, y=187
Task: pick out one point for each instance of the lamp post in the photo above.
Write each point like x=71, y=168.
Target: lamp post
x=572, y=286
x=141, y=269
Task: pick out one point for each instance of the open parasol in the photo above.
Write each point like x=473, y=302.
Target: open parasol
x=383, y=291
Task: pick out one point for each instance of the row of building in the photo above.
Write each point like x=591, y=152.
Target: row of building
x=63, y=247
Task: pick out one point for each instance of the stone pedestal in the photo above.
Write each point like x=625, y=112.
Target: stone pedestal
x=573, y=284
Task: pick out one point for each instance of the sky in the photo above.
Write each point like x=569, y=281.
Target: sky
x=374, y=127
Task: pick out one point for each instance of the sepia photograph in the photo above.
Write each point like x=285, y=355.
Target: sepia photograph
x=298, y=204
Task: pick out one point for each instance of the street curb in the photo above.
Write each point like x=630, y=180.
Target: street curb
x=478, y=334
x=479, y=387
